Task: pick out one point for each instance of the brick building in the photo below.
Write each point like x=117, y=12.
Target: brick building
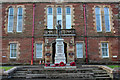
x=90, y=29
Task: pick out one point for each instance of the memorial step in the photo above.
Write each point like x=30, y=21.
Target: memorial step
x=61, y=75
x=21, y=71
x=103, y=78
x=20, y=76
x=81, y=73
x=102, y=75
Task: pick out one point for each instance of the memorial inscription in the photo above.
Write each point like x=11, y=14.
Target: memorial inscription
x=60, y=49
x=60, y=55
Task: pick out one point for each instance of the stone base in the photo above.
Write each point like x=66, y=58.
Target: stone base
x=60, y=55
x=60, y=60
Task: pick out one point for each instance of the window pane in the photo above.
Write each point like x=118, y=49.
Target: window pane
x=106, y=10
x=50, y=19
x=107, y=19
x=104, y=49
x=79, y=48
x=68, y=18
x=19, y=20
x=49, y=10
x=13, y=50
x=39, y=50
x=68, y=21
x=102, y=45
x=105, y=45
x=20, y=11
x=59, y=16
x=15, y=46
x=104, y=54
x=19, y=17
x=59, y=10
x=98, y=18
x=68, y=11
x=11, y=10
x=11, y=53
x=10, y=19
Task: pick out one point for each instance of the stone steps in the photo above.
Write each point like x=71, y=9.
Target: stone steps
x=19, y=76
x=63, y=69
x=21, y=73
x=100, y=72
x=34, y=73
x=48, y=79
x=102, y=75
x=61, y=75
x=103, y=78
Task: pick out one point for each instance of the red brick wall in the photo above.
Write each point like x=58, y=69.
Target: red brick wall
x=25, y=39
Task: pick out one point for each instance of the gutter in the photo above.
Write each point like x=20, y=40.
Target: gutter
x=33, y=33
x=84, y=6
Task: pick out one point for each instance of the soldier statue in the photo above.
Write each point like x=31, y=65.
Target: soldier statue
x=59, y=29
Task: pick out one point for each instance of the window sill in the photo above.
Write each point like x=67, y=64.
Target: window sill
x=13, y=58
x=105, y=57
x=108, y=32
x=39, y=58
x=99, y=31
x=10, y=32
x=80, y=58
x=19, y=32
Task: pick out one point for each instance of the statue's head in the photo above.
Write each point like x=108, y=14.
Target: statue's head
x=58, y=21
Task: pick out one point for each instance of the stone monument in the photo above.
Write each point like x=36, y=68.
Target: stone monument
x=60, y=55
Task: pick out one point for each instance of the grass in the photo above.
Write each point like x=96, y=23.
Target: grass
x=113, y=66
x=6, y=68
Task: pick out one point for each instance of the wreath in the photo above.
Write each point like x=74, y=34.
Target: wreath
x=72, y=64
x=47, y=64
x=56, y=64
x=62, y=64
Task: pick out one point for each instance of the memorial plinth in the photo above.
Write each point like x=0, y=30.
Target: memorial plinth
x=60, y=55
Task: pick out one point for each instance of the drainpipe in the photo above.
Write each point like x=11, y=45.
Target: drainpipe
x=85, y=33
x=33, y=33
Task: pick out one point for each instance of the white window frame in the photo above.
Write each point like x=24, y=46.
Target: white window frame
x=41, y=51
x=104, y=48
x=8, y=30
x=78, y=51
x=68, y=15
x=109, y=19
x=57, y=11
x=11, y=52
x=49, y=15
x=19, y=19
x=48, y=11
x=100, y=19
x=59, y=16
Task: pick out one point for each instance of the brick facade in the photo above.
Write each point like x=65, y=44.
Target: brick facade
x=94, y=38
